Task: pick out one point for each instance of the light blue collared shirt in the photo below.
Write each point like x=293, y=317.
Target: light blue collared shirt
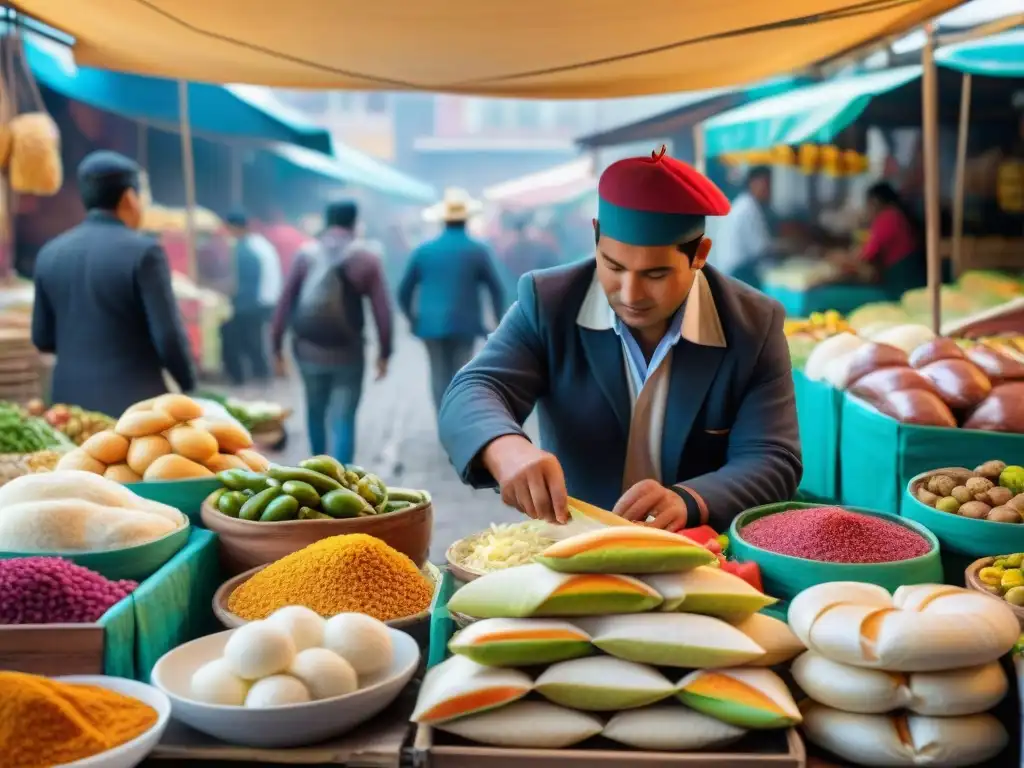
x=639, y=369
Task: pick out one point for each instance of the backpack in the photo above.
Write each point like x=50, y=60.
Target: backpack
x=321, y=314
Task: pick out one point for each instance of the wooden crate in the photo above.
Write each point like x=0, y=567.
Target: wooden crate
x=765, y=749
x=52, y=649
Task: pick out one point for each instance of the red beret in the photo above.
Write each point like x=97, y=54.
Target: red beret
x=661, y=184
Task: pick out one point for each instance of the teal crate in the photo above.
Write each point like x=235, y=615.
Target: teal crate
x=185, y=495
x=878, y=456
x=819, y=413
x=442, y=627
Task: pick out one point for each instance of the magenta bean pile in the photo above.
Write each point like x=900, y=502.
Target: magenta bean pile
x=834, y=535
x=49, y=590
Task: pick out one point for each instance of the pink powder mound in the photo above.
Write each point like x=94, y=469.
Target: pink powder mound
x=835, y=535
x=50, y=590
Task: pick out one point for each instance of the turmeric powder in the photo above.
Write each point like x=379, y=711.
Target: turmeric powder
x=354, y=573
x=45, y=722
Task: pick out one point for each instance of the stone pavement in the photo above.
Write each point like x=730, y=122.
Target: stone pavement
x=397, y=438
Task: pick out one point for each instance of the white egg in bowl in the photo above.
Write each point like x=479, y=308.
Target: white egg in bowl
x=287, y=725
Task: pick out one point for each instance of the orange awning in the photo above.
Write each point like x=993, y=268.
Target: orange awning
x=529, y=48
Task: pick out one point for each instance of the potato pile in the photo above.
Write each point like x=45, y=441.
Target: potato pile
x=165, y=438
x=993, y=491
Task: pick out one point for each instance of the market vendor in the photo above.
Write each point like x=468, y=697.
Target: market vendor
x=663, y=387
x=892, y=255
x=745, y=242
x=103, y=299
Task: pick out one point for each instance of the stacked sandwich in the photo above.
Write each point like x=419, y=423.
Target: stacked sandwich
x=627, y=632
x=902, y=679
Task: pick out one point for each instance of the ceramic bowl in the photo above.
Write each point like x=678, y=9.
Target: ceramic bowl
x=131, y=753
x=137, y=563
x=246, y=544
x=973, y=582
x=232, y=620
x=293, y=725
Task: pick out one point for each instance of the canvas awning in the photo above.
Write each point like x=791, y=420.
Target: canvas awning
x=234, y=111
x=351, y=166
x=561, y=184
x=996, y=56
x=815, y=113
x=531, y=48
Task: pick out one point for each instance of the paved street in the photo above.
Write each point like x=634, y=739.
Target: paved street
x=397, y=437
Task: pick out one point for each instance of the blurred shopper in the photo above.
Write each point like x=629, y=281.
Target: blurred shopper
x=103, y=299
x=744, y=239
x=257, y=290
x=322, y=306
x=440, y=292
x=527, y=253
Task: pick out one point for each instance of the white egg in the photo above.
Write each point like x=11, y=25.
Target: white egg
x=324, y=672
x=259, y=649
x=215, y=683
x=277, y=691
x=305, y=626
x=363, y=641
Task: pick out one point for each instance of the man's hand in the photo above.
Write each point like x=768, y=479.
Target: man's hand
x=280, y=369
x=649, y=498
x=531, y=480
x=382, y=368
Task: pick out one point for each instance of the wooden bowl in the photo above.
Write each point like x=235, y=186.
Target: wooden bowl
x=973, y=582
x=233, y=621
x=460, y=572
x=245, y=544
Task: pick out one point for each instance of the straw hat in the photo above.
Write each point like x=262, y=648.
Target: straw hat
x=457, y=205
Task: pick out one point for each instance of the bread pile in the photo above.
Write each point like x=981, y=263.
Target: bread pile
x=166, y=438
x=902, y=679
x=35, y=166
x=934, y=383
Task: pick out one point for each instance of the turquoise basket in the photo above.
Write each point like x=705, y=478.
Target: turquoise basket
x=878, y=456
x=818, y=411
x=185, y=495
x=962, y=535
x=136, y=563
x=842, y=298
x=785, y=577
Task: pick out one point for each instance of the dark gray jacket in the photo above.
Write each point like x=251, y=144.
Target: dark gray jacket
x=104, y=306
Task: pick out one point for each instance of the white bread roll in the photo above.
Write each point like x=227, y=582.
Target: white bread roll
x=871, y=691
x=923, y=628
x=883, y=740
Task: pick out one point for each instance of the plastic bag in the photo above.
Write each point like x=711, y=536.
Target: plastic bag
x=35, y=166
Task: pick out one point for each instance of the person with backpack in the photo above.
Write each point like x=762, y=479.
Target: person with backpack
x=322, y=306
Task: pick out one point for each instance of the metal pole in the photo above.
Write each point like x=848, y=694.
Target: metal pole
x=930, y=130
x=189, y=176
x=699, y=151
x=961, y=171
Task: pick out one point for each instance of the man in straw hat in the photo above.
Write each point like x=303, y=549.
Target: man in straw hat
x=444, y=276
x=663, y=387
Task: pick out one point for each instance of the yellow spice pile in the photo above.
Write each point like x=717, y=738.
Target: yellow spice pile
x=342, y=574
x=46, y=722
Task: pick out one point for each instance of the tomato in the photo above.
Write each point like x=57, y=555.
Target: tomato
x=749, y=572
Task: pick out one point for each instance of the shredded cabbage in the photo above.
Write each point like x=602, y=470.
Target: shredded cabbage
x=501, y=546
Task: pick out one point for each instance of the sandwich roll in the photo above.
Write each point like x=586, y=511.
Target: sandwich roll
x=778, y=640
x=871, y=691
x=922, y=628
x=885, y=740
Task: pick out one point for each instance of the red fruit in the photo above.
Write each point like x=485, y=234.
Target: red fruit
x=701, y=534
x=749, y=572
x=714, y=546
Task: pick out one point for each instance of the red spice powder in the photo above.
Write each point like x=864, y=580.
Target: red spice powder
x=835, y=535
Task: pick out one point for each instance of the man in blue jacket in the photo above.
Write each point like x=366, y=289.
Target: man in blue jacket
x=444, y=277
x=663, y=388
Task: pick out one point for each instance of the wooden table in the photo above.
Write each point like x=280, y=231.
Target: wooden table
x=376, y=744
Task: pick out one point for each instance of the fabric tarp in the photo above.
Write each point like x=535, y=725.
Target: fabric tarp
x=815, y=113
x=215, y=111
x=353, y=167
x=533, y=48
x=561, y=184
x=996, y=56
